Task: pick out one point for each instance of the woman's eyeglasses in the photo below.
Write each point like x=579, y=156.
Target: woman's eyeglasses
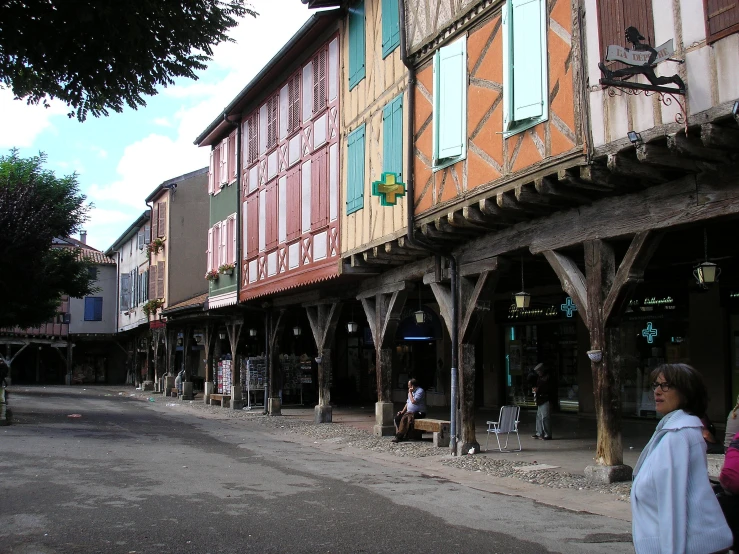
x=664, y=386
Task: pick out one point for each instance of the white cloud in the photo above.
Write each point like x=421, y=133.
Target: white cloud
x=21, y=123
x=101, y=152
x=106, y=225
x=162, y=122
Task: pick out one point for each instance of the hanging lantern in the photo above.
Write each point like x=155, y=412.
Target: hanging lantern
x=352, y=327
x=297, y=331
x=222, y=335
x=252, y=332
x=706, y=273
x=523, y=300
x=420, y=316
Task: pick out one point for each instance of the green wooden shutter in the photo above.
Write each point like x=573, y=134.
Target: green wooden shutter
x=392, y=137
x=527, y=59
x=356, y=43
x=390, y=27
x=450, y=82
x=355, y=169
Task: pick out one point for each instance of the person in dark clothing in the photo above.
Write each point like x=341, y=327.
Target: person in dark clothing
x=543, y=410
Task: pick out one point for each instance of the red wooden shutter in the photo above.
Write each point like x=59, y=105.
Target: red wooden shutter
x=293, y=121
x=152, y=292
x=252, y=209
x=160, y=279
x=271, y=216
x=614, y=16
x=273, y=107
x=722, y=18
x=319, y=190
x=162, y=218
x=319, y=81
x=232, y=157
x=293, y=204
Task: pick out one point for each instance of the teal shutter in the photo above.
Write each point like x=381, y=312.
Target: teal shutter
x=356, y=43
x=392, y=138
x=390, y=27
x=355, y=169
x=449, y=98
x=527, y=59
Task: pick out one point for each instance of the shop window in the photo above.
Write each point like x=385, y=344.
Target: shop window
x=93, y=308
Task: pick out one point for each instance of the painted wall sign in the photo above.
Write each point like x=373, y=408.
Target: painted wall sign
x=636, y=57
x=388, y=189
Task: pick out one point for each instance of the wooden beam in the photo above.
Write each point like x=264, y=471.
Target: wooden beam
x=621, y=165
x=433, y=234
x=404, y=243
x=457, y=219
x=680, y=145
x=472, y=305
x=599, y=176
x=443, y=225
x=473, y=216
x=412, y=271
x=547, y=187
x=371, y=260
x=323, y=319
x=654, y=154
x=714, y=136
x=630, y=272
x=388, y=288
x=687, y=200
x=507, y=201
x=572, y=280
x=397, y=255
x=489, y=208
x=528, y=194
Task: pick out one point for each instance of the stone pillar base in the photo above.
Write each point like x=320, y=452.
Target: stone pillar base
x=187, y=391
x=608, y=474
x=168, y=385
x=68, y=379
x=207, y=391
x=147, y=386
x=274, y=405
x=465, y=447
x=323, y=414
x=5, y=415
x=384, y=430
x=237, y=399
x=384, y=423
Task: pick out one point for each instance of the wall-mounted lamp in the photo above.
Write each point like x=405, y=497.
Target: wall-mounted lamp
x=297, y=331
x=222, y=335
x=252, y=332
x=634, y=137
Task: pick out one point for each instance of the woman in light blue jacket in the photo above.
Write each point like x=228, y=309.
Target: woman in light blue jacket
x=674, y=509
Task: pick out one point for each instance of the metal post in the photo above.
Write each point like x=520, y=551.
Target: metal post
x=267, y=317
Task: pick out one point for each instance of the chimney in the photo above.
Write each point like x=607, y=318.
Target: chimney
x=83, y=237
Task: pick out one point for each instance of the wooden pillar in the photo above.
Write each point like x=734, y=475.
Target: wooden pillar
x=149, y=361
x=274, y=371
x=323, y=318
x=208, y=348
x=383, y=307
x=601, y=296
x=233, y=330
x=69, y=362
x=474, y=286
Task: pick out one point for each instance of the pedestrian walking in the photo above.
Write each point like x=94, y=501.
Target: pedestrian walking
x=543, y=407
x=674, y=509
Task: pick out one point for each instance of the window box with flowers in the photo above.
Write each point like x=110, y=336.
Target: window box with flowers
x=156, y=245
x=227, y=269
x=151, y=307
x=212, y=275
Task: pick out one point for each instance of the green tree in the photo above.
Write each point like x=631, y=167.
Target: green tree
x=99, y=56
x=35, y=207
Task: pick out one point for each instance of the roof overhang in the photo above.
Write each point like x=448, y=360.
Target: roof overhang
x=316, y=25
x=128, y=233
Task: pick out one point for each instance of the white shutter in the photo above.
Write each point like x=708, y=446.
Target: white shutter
x=211, y=172
x=209, y=251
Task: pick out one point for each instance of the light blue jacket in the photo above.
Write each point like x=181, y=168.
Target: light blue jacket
x=674, y=509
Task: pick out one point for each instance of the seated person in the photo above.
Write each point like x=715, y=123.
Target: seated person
x=415, y=408
x=732, y=425
x=709, y=435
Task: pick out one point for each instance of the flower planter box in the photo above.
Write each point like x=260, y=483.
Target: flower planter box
x=228, y=272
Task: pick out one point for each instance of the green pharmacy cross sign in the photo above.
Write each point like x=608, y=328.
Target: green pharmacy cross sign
x=388, y=189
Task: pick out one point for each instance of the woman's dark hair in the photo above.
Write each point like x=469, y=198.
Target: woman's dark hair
x=413, y=382
x=688, y=382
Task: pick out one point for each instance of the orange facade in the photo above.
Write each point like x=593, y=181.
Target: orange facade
x=493, y=161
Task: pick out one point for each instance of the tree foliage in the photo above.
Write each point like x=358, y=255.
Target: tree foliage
x=99, y=56
x=35, y=207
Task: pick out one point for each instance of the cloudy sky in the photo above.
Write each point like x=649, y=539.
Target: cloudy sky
x=121, y=158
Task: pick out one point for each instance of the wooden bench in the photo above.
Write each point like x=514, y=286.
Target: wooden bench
x=174, y=393
x=439, y=427
x=222, y=399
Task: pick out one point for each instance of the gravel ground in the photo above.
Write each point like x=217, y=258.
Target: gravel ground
x=358, y=438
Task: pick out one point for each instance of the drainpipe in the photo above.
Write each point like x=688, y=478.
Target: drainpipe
x=410, y=178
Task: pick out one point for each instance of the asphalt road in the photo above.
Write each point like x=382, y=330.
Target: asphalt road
x=130, y=476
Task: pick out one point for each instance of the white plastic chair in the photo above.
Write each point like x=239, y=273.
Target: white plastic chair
x=507, y=423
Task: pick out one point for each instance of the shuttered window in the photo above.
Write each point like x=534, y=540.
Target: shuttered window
x=232, y=157
x=320, y=73
x=253, y=132
x=212, y=172
x=614, y=16
x=224, y=174
x=144, y=286
x=525, y=101
x=160, y=279
x=161, y=218
x=722, y=18
x=390, y=26
x=356, y=44
x=273, y=107
x=209, y=251
x=155, y=219
x=93, y=308
x=392, y=138
x=355, y=171
x=152, y=292
x=125, y=292
x=293, y=204
x=450, y=104
x=293, y=113
x=319, y=190
x=252, y=240
x=140, y=239
x=270, y=216
x=147, y=234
